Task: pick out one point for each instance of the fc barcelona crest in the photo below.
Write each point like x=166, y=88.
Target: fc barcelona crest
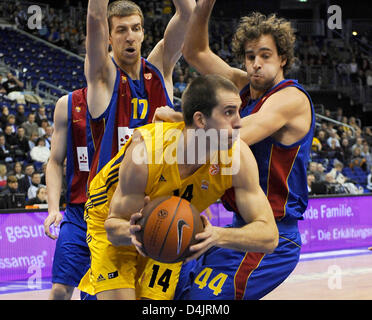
x=148, y=76
x=77, y=109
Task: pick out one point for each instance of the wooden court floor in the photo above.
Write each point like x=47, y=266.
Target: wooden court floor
x=327, y=278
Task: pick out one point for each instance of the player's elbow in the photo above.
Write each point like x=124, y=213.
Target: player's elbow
x=272, y=240
x=189, y=54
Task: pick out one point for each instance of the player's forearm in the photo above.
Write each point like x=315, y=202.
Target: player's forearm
x=97, y=9
x=118, y=231
x=257, y=236
x=97, y=35
x=197, y=39
x=184, y=8
x=54, y=174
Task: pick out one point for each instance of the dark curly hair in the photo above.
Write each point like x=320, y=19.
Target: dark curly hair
x=257, y=24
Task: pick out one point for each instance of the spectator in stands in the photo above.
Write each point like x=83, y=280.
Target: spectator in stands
x=20, y=115
x=313, y=168
x=358, y=160
x=33, y=139
x=367, y=134
x=12, y=122
x=54, y=36
x=316, y=148
x=30, y=125
x=40, y=198
x=35, y=184
x=5, y=150
x=48, y=135
x=180, y=85
x=4, y=117
x=42, y=127
x=366, y=154
x=23, y=146
x=319, y=173
x=18, y=170
x=25, y=182
x=335, y=150
x=43, y=173
x=8, y=199
x=322, y=138
x=358, y=144
x=333, y=137
x=353, y=123
x=310, y=180
x=13, y=87
x=10, y=137
x=336, y=172
x=40, y=152
x=41, y=115
x=339, y=114
x=333, y=187
x=3, y=176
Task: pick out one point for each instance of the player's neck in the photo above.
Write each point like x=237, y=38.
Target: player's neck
x=133, y=70
x=257, y=93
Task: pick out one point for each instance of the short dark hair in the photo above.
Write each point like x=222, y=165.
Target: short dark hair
x=201, y=95
x=123, y=8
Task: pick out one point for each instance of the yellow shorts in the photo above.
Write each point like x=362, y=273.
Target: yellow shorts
x=111, y=267
x=123, y=267
x=156, y=280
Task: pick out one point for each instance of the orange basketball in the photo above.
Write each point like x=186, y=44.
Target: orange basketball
x=168, y=228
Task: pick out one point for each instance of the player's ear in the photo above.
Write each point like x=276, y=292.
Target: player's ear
x=284, y=61
x=199, y=120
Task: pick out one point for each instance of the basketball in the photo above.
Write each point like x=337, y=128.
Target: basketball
x=168, y=228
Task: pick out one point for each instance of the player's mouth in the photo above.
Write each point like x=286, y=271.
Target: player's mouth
x=130, y=51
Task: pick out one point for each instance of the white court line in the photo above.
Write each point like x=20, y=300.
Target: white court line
x=326, y=274
x=337, y=253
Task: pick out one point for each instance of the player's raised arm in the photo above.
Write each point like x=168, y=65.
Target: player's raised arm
x=99, y=69
x=196, y=48
x=167, y=52
x=128, y=197
x=54, y=170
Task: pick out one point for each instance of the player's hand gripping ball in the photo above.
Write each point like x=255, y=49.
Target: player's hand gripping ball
x=168, y=228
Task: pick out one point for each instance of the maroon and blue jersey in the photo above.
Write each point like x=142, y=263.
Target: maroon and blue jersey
x=252, y=275
x=77, y=164
x=282, y=168
x=132, y=105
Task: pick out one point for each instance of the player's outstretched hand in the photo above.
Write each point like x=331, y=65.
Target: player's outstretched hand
x=207, y=238
x=53, y=217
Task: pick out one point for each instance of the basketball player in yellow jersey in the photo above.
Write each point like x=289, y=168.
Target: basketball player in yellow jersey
x=157, y=163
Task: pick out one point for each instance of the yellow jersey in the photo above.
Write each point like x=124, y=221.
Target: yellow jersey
x=202, y=188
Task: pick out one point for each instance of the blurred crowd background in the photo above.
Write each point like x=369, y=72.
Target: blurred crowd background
x=39, y=65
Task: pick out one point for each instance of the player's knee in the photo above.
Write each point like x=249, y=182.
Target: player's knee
x=61, y=292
